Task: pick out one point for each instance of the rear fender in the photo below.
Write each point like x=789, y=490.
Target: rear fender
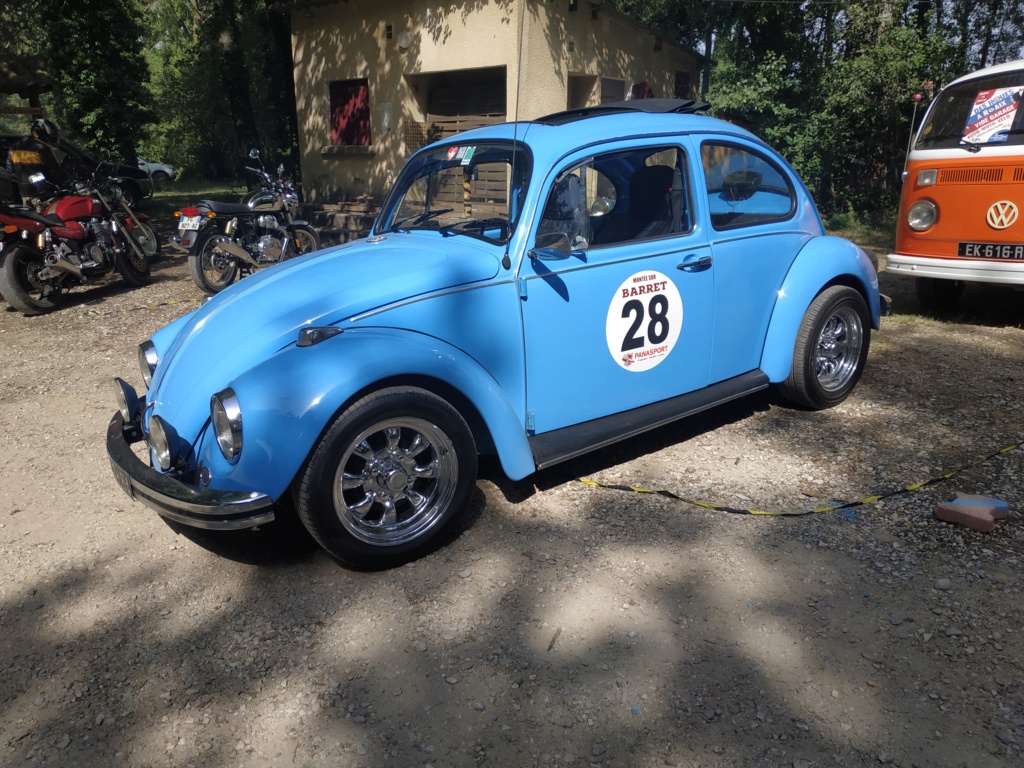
x=295, y=395
x=822, y=262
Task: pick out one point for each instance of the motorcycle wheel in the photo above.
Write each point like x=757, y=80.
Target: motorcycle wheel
x=133, y=266
x=305, y=239
x=148, y=240
x=210, y=271
x=21, y=286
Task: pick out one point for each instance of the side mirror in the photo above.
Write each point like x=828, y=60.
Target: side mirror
x=254, y=153
x=551, y=246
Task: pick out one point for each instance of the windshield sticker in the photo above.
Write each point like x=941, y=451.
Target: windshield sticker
x=644, y=320
x=992, y=115
x=452, y=151
x=467, y=155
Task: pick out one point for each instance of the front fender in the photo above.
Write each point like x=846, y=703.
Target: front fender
x=288, y=400
x=823, y=261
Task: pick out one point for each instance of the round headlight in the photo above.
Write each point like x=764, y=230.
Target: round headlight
x=922, y=215
x=226, y=415
x=159, y=442
x=147, y=361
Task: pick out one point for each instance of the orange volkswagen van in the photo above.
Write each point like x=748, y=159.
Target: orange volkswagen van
x=961, y=217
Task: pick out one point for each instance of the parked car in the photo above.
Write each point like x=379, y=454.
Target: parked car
x=161, y=173
x=134, y=182
x=532, y=290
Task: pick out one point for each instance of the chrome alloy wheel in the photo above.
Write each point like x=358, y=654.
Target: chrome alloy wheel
x=395, y=481
x=838, y=349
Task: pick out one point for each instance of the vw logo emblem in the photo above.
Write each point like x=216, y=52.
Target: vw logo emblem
x=1001, y=215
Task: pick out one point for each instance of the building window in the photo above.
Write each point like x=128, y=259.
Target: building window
x=350, y=112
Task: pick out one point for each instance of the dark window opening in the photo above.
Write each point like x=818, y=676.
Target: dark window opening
x=350, y=112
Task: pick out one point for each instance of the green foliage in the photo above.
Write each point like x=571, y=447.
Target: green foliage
x=99, y=72
x=222, y=82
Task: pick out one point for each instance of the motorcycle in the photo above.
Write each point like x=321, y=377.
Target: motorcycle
x=76, y=238
x=228, y=240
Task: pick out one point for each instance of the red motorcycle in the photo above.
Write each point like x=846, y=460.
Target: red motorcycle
x=76, y=239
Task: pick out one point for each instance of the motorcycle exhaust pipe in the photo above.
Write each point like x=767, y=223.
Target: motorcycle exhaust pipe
x=233, y=249
x=64, y=264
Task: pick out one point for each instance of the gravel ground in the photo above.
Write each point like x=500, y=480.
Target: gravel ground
x=569, y=625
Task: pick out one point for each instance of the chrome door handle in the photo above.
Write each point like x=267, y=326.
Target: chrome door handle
x=695, y=264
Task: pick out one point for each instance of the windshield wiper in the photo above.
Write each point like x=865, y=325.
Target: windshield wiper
x=480, y=225
x=419, y=218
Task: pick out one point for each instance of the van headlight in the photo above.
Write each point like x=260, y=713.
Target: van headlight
x=922, y=215
x=226, y=415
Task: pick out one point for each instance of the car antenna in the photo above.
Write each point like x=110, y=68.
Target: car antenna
x=506, y=262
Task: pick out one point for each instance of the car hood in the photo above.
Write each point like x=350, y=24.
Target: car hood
x=258, y=316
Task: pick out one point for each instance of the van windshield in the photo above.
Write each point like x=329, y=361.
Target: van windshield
x=979, y=113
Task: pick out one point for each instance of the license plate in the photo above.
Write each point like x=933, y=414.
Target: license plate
x=122, y=479
x=188, y=222
x=991, y=251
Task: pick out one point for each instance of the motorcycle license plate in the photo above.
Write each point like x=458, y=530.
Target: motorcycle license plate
x=188, y=222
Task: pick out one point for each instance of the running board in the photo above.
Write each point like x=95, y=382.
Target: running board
x=569, y=442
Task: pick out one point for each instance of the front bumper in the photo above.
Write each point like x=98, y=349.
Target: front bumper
x=969, y=270
x=187, y=504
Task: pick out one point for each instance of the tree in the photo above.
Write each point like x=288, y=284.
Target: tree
x=99, y=73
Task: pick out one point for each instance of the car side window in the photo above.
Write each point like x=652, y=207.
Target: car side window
x=744, y=187
x=619, y=197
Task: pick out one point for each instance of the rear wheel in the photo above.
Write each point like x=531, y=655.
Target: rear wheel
x=831, y=349
x=937, y=295
x=389, y=479
x=212, y=272
x=22, y=286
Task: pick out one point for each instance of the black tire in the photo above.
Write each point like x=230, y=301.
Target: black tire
x=20, y=285
x=305, y=239
x=831, y=349
x=149, y=240
x=160, y=179
x=132, y=265
x=389, y=479
x=211, y=272
x=938, y=295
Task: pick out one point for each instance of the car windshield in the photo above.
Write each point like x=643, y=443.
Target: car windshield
x=975, y=114
x=473, y=189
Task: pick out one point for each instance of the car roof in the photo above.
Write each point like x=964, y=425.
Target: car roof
x=553, y=136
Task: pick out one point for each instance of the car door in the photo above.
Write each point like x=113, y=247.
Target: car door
x=622, y=315
x=756, y=226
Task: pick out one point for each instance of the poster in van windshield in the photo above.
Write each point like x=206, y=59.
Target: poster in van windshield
x=992, y=115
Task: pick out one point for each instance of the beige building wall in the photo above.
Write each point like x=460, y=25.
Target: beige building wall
x=349, y=40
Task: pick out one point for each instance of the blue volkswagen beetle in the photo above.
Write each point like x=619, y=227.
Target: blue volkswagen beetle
x=534, y=290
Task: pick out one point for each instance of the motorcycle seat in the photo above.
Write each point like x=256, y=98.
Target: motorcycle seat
x=225, y=209
x=28, y=213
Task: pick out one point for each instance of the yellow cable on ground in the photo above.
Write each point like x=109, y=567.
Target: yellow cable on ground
x=831, y=508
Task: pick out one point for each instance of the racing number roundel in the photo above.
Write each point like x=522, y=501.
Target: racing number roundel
x=644, y=319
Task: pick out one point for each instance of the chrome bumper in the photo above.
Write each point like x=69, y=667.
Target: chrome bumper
x=178, y=501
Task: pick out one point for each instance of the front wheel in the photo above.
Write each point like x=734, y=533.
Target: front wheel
x=211, y=271
x=304, y=239
x=148, y=240
x=831, y=349
x=22, y=285
x=938, y=295
x=389, y=479
x=133, y=262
